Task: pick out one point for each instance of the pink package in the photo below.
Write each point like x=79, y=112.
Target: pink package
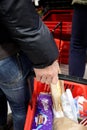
x=43, y=119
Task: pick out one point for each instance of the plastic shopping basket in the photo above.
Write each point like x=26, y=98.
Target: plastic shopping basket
x=59, y=23
x=76, y=88
x=52, y=17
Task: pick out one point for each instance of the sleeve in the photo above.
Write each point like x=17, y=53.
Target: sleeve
x=29, y=32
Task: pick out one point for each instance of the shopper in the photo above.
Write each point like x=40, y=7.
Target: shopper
x=78, y=47
x=25, y=43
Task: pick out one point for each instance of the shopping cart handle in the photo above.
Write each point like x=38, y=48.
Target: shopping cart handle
x=66, y=77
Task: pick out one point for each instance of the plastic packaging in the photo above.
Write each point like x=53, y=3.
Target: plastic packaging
x=68, y=105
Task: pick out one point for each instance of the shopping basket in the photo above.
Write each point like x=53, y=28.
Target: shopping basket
x=77, y=85
x=52, y=17
x=59, y=23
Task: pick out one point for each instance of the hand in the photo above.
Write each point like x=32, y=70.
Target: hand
x=48, y=74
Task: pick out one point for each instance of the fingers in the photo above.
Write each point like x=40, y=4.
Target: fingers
x=55, y=79
x=48, y=79
x=45, y=79
x=38, y=78
x=48, y=74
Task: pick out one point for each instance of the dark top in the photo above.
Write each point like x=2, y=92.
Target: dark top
x=21, y=26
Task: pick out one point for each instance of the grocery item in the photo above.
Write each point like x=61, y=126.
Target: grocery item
x=43, y=119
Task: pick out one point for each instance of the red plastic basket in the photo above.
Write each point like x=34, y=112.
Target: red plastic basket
x=52, y=17
x=66, y=29
x=58, y=15
x=77, y=90
x=63, y=47
x=62, y=32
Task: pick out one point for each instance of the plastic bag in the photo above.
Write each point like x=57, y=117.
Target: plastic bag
x=67, y=124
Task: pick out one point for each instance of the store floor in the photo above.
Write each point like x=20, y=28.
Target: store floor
x=64, y=70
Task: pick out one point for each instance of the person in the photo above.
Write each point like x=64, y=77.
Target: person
x=78, y=46
x=25, y=44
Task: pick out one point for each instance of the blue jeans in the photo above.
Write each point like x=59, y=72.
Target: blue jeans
x=78, y=47
x=14, y=89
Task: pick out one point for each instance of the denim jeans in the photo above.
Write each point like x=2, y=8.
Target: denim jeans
x=14, y=89
x=78, y=47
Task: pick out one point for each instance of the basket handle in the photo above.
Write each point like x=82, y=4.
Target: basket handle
x=66, y=77
x=72, y=79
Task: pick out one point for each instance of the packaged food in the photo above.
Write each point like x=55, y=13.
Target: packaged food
x=43, y=119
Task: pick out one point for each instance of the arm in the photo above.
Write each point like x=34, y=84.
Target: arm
x=28, y=30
